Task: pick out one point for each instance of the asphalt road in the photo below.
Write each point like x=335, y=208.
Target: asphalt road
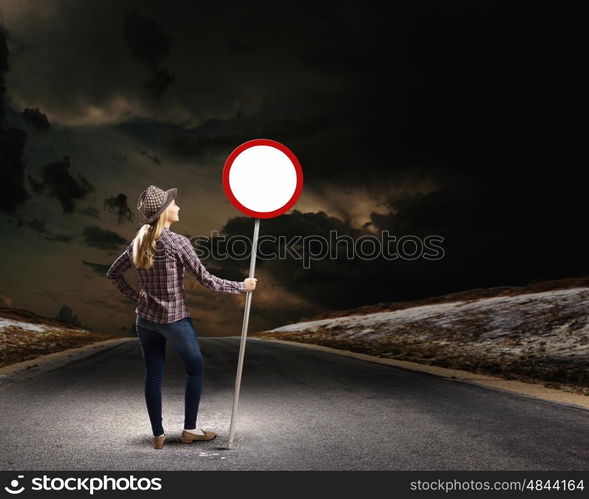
x=299, y=409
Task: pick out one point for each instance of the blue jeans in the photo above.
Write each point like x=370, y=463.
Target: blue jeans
x=183, y=338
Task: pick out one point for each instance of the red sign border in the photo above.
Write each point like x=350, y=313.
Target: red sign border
x=262, y=142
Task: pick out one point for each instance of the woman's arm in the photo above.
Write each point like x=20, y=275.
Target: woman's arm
x=190, y=260
x=115, y=274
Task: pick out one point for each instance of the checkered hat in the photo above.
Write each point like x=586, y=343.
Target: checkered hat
x=153, y=201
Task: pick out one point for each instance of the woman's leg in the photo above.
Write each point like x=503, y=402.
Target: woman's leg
x=183, y=338
x=153, y=345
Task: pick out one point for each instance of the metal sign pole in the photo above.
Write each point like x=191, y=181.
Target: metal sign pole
x=246, y=316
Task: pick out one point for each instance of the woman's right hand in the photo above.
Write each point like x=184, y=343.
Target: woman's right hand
x=250, y=283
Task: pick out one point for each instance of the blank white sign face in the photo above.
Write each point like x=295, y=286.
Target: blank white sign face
x=264, y=177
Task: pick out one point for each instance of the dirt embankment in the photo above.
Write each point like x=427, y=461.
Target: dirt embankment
x=538, y=333
x=25, y=335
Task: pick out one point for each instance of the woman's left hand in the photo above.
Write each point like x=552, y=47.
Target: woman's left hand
x=250, y=283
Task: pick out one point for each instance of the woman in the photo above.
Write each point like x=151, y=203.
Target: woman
x=160, y=257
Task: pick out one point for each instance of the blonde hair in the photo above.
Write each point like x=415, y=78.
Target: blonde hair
x=144, y=245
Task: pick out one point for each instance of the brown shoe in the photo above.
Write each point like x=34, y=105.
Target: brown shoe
x=158, y=442
x=188, y=437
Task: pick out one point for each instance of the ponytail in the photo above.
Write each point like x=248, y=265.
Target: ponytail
x=144, y=244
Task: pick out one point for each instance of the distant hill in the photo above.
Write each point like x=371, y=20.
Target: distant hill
x=21, y=314
x=533, y=286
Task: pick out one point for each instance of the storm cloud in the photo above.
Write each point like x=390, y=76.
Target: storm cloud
x=99, y=268
x=102, y=238
x=61, y=183
x=40, y=227
x=12, y=144
x=36, y=119
x=118, y=205
x=419, y=119
x=150, y=44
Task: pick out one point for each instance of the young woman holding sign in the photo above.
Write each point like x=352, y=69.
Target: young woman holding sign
x=159, y=257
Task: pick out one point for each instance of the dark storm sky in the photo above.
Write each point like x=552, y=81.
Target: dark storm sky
x=431, y=118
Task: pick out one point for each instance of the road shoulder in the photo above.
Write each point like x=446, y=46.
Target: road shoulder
x=48, y=362
x=527, y=389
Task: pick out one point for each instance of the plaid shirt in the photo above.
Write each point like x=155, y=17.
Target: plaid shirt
x=162, y=297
